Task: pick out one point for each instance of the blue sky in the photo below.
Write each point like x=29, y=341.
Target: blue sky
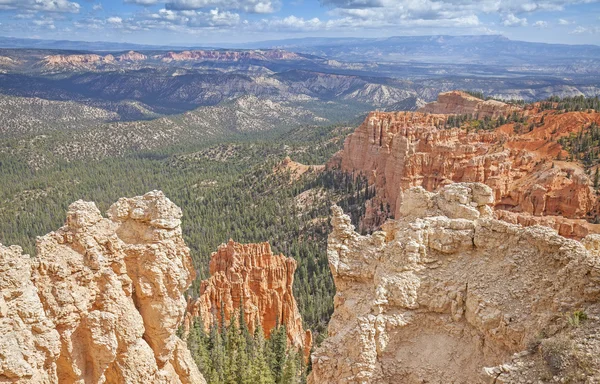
x=231, y=21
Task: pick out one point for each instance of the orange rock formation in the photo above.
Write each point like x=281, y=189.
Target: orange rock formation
x=457, y=102
x=221, y=55
x=132, y=56
x=399, y=150
x=251, y=274
x=102, y=300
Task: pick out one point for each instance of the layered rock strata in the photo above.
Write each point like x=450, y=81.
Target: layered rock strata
x=250, y=275
x=447, y=294
x=105, y=298
x=399, y=150
x=461, y=103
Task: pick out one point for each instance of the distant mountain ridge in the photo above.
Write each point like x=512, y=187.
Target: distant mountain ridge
x=488, y=49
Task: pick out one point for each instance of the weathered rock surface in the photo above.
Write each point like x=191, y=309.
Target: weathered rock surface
x=112, y=296
x=251, y=274
x=29, y=344
x=399, y=150
x=449, y=294
x=461, y=103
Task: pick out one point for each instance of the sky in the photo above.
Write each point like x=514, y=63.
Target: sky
x=208, y=22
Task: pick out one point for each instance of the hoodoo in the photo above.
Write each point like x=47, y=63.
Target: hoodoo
x=102, y=301
x=531, y=185
x=250, y=275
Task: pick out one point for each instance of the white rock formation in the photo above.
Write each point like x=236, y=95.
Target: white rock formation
x=447, y=294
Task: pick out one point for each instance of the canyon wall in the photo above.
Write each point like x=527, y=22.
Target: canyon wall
x=252, y=276
x=102, y=300
x=446, y=293
x=399, y=150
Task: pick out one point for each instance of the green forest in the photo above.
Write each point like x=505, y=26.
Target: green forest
x=226, y=190
x=231, y=354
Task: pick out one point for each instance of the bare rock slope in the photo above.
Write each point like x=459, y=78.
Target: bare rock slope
x=102, y=301
x=457, y=102
x=449, y=294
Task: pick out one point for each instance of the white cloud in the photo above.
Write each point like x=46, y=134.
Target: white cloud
x=185, y=21
x=41, y=5
x=540, y=24
x=563, y=22
x=46, y=23
x=511, y=20
x=583, y=30
x=142, y=2
x=97, y=7
x=114, y=20
x=486, y=6
x=250, y=6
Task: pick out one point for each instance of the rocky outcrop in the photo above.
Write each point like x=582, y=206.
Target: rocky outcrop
x=29, y=344
x=461, y=103
x=447, y=293
x=112, y=296
x=76, y=62
x=294, y=169
x=228, y=56
x=132, y=56
x=252, y=276
x=399, y=150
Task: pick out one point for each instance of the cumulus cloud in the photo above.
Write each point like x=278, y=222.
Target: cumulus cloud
x=563, y=22
x=511, y=20
x=97, y=7
x=487, y=6
x=250, y=6
x=41, y=5
x=540, y=24
x=185, y=21
x=114, y=20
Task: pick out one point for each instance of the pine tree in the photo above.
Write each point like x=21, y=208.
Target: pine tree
x=261, y=372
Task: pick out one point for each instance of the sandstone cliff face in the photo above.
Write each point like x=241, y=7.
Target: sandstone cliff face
x=448, y=294
x=112, y=297
x=399, y=150
x=461, y=103
x=251, y=274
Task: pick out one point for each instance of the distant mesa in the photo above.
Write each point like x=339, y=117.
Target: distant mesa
x=132, y=56
x=228, y=55
x=462, y=103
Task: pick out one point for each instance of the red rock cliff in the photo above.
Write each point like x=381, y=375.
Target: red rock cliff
x=252, y=274
x=399, y=150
